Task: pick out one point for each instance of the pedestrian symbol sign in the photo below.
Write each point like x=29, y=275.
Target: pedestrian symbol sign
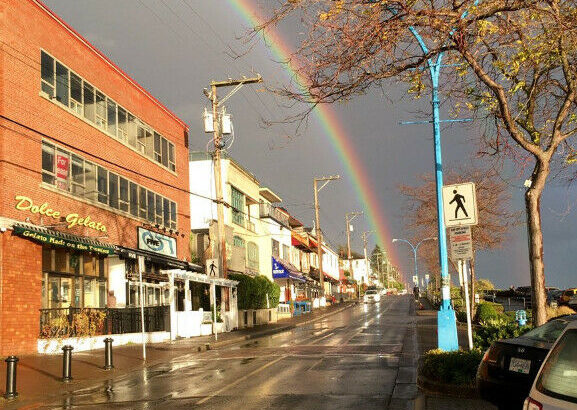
x=460, y=204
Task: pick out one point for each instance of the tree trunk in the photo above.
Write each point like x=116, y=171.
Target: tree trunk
x=535, y=238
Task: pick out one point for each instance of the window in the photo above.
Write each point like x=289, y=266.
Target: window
x=286, y=253
x=76, y=94
x=47, y=73
x=100, y=119
x=113, y=190
x=89, y=103
x=68, y=88
x=111, y=112
x=559, y=373
x=77, y=171
x=102, y=185
x=48, y=163
x=238, y=242
x=237, y=203
x=72, y=173
x=61, y=83
x=275, y=248
x=123, y=199
x=252, y=255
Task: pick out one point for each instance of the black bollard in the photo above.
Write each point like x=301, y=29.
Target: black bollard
x=67, y=363
x=11, y=363
x=108, y=353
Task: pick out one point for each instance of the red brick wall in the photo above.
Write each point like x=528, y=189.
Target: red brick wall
x=31, y=29
x=21, y=280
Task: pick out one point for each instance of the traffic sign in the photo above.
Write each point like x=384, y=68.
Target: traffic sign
x=461, y=242
x=460, y=204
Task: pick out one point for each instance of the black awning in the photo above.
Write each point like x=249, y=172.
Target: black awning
x=167, y=261
x=61, y=239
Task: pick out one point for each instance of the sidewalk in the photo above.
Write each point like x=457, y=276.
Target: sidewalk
x=39, y=376
x=427, y=340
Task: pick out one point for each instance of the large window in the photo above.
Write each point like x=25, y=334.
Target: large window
x=72, y=279
x=237, y=202
x=84, y=179
x=60, y=84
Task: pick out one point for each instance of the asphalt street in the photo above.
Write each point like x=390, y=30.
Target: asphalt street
x=361, y=358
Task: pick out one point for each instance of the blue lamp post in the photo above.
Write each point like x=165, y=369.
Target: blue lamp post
x=446, y=322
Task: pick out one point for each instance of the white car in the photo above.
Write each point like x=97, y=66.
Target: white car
x=555, y=386
x=372, y=295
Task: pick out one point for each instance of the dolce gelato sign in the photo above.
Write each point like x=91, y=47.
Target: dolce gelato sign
x=73, y=219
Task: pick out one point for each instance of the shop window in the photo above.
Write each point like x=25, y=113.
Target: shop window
x=88, y=262
x=60, y=259
x=75, y=262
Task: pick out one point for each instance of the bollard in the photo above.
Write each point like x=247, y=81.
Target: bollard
x=67, y=363
x=11, y=363
x=108, y=353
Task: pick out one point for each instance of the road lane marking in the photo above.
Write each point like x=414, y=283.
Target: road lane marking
x=228, y=386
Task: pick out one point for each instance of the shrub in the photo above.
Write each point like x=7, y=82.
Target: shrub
x=488, y=311
x=461, y=316
x=495, y=329
x=458, y=367
x=252, y=292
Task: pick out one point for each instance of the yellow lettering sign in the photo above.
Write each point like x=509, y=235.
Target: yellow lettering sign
x=23, y=203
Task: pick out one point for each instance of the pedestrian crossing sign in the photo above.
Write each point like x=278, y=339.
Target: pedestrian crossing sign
x=460, y=205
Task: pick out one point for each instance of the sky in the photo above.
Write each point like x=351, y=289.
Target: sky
x=174, y=48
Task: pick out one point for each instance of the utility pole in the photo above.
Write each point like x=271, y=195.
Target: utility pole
x=365, y=247
x=217, y=141
x=318, y=226
x=349, y=217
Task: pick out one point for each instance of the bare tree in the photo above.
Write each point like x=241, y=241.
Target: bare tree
x=515, y=68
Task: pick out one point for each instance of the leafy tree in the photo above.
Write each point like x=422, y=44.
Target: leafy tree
x=515, y=70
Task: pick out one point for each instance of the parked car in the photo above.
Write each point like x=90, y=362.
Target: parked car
x=553, y=296
x=509, y=366
x=569, y=297
x=555, y=386
x=372, y=295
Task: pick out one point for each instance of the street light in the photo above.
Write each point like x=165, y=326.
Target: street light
x=415, y=248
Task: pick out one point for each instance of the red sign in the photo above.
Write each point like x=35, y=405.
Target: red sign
x=62, y=165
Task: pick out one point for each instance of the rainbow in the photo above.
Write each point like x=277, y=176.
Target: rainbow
x=340, y=141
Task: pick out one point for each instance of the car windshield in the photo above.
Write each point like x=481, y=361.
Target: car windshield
x=371, y=292
x=559, y=376
x=549, y=332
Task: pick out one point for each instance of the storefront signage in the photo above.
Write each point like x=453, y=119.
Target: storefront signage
x=73, y=219
x=54, y=240
x=156, y=242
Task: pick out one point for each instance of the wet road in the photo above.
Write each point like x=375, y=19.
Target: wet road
x=361, y=358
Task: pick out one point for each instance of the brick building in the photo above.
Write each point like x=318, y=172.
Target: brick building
x=94, y=173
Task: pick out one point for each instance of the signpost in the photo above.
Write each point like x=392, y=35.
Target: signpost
x=461, y=243
x=460, y=204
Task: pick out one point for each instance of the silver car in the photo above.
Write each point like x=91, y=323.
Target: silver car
x=555, y=386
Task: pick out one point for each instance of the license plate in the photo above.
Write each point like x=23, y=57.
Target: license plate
x=520, y=365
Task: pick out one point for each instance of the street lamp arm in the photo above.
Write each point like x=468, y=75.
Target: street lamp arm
x=407, y=242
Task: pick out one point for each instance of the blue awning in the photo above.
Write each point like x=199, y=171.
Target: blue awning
x=284, y=270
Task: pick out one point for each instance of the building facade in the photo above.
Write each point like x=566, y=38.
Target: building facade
x=94, y=175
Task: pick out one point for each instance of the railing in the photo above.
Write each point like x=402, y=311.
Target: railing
x=269, y=211
x=72, y=321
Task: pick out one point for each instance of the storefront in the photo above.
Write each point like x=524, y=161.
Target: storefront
x=287, y=277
